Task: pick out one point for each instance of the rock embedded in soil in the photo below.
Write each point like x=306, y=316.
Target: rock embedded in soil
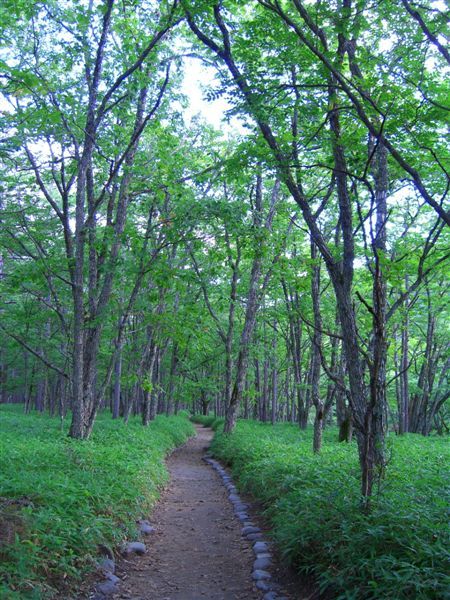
x=135, y=548
x=259, y=574
x=262, y=563
x=113, y=578
x=242, y=516
x=259, y=547
x=247, y=530
x=145, y=528
x=107, y=588
x=107, y=565
x=262, y=585
x=254, y=537
x=271, y=596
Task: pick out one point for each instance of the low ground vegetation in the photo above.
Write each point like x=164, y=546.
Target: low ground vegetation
x=399, y=550
x=61, y=499
x=208, y=421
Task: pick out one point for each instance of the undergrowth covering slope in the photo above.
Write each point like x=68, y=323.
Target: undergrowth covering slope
x=61, y=498
x=399, y=551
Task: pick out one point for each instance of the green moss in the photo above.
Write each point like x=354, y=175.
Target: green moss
x=62, y=498
x=398, y=551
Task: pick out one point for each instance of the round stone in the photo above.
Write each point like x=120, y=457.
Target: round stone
x=113, y=578
x=242, y=516
x=262, y=563
x=259, y=574
x=107, y=588
x=262, y=585
x=146, y=528
x=136, y=548
x=247, y=530
x=259, y=547
x=107, y=565
x=263, y=555
x=254, y=537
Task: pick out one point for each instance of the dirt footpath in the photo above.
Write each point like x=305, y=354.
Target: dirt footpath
x=198, y=550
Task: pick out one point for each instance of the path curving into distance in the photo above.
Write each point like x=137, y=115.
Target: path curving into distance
x=198, y=550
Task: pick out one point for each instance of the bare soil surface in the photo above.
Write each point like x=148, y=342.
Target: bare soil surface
x=198, y=550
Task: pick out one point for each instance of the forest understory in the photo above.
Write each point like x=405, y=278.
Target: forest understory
x=237, y=210
x=63, y=502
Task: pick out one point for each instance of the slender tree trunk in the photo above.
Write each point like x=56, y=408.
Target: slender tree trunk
x=403, y=425
x=274, y=407
x=172, y=378
x=149, y=389
x=117, y=383
x=316, y=350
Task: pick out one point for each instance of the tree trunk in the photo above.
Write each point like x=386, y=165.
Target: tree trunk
x=117, y=383
x=316, y=350
x=403, y=409
x=172, y=377
x=149, y=385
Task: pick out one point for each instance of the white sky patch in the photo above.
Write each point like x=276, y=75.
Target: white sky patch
x=197, y=79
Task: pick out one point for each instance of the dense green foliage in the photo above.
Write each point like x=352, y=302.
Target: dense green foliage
x=61, y=498
x=399, y=550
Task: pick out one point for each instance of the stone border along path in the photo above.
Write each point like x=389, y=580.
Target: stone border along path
x=263, y=557
x=197, y=549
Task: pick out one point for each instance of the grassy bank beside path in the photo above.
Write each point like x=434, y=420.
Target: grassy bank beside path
x=60, y=499
x=399, y=551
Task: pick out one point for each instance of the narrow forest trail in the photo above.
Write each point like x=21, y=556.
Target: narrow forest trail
x=198, y=550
